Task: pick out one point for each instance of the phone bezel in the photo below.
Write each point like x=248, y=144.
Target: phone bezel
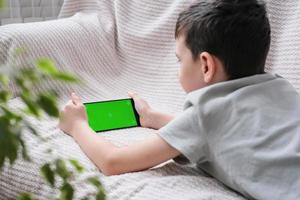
x=137, y=117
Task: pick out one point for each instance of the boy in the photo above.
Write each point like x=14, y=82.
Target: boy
x=239, y=124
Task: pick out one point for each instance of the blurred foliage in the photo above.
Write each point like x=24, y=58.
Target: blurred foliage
x=58, y=169
x=14, y=123
x=2, y=4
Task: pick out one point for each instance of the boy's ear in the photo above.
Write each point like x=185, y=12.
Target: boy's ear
x=208, y=67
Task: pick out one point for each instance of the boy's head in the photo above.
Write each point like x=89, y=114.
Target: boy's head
x=218, y=40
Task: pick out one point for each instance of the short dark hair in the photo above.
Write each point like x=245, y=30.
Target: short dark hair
x=236, y=31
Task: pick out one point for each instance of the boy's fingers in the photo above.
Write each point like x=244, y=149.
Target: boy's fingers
x=76, y=99
x=69, y=103
x=130, y=93
x=134, y=95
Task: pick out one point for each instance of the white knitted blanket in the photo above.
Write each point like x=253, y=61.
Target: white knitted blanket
x=116, y=46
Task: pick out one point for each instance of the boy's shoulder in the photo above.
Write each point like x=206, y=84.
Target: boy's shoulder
x=248, y=89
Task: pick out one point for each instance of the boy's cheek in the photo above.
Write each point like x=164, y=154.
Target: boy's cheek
x=182, y=80
x=178, y=74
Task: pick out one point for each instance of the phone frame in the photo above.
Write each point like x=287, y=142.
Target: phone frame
x=137, y=117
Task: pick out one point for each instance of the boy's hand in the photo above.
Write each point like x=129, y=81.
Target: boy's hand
x=73, y=115
x=143, y=109
x=149, y=118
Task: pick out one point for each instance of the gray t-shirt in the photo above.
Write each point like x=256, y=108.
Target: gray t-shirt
x=245, y=133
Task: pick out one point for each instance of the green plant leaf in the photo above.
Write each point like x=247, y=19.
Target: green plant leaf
x=24, y=150
x=54, y=93
x=2, y=4
x=94, y=181
x=63, y=76
x=10, y=115
x=100, y=195
x=23, y=85
x=30, y=76
x=12, y=147
x=32, y=107
x=48, y=104
x=4, y=79
x=9, y=142
x=25, y=196
x=48, y=174
x=30, y=128
x=19, y=51
x=47, y=66
x=4, y=96
x=3, y=137
x=77, y=165
x=67, y=192
x=61, y=169
x=2, y=159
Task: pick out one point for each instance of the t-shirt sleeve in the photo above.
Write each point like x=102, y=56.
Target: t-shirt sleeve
x=184, y=134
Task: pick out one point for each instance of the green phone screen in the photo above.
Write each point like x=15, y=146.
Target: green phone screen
x=109, y=115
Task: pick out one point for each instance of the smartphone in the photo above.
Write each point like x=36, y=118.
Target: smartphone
x=111, y=115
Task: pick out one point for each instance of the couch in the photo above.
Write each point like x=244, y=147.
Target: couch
x=118, y=46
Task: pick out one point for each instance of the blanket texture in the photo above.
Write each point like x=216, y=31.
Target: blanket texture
x=116, y=46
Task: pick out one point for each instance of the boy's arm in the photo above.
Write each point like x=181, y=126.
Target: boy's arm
x=158, y=119
x=112, y=160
